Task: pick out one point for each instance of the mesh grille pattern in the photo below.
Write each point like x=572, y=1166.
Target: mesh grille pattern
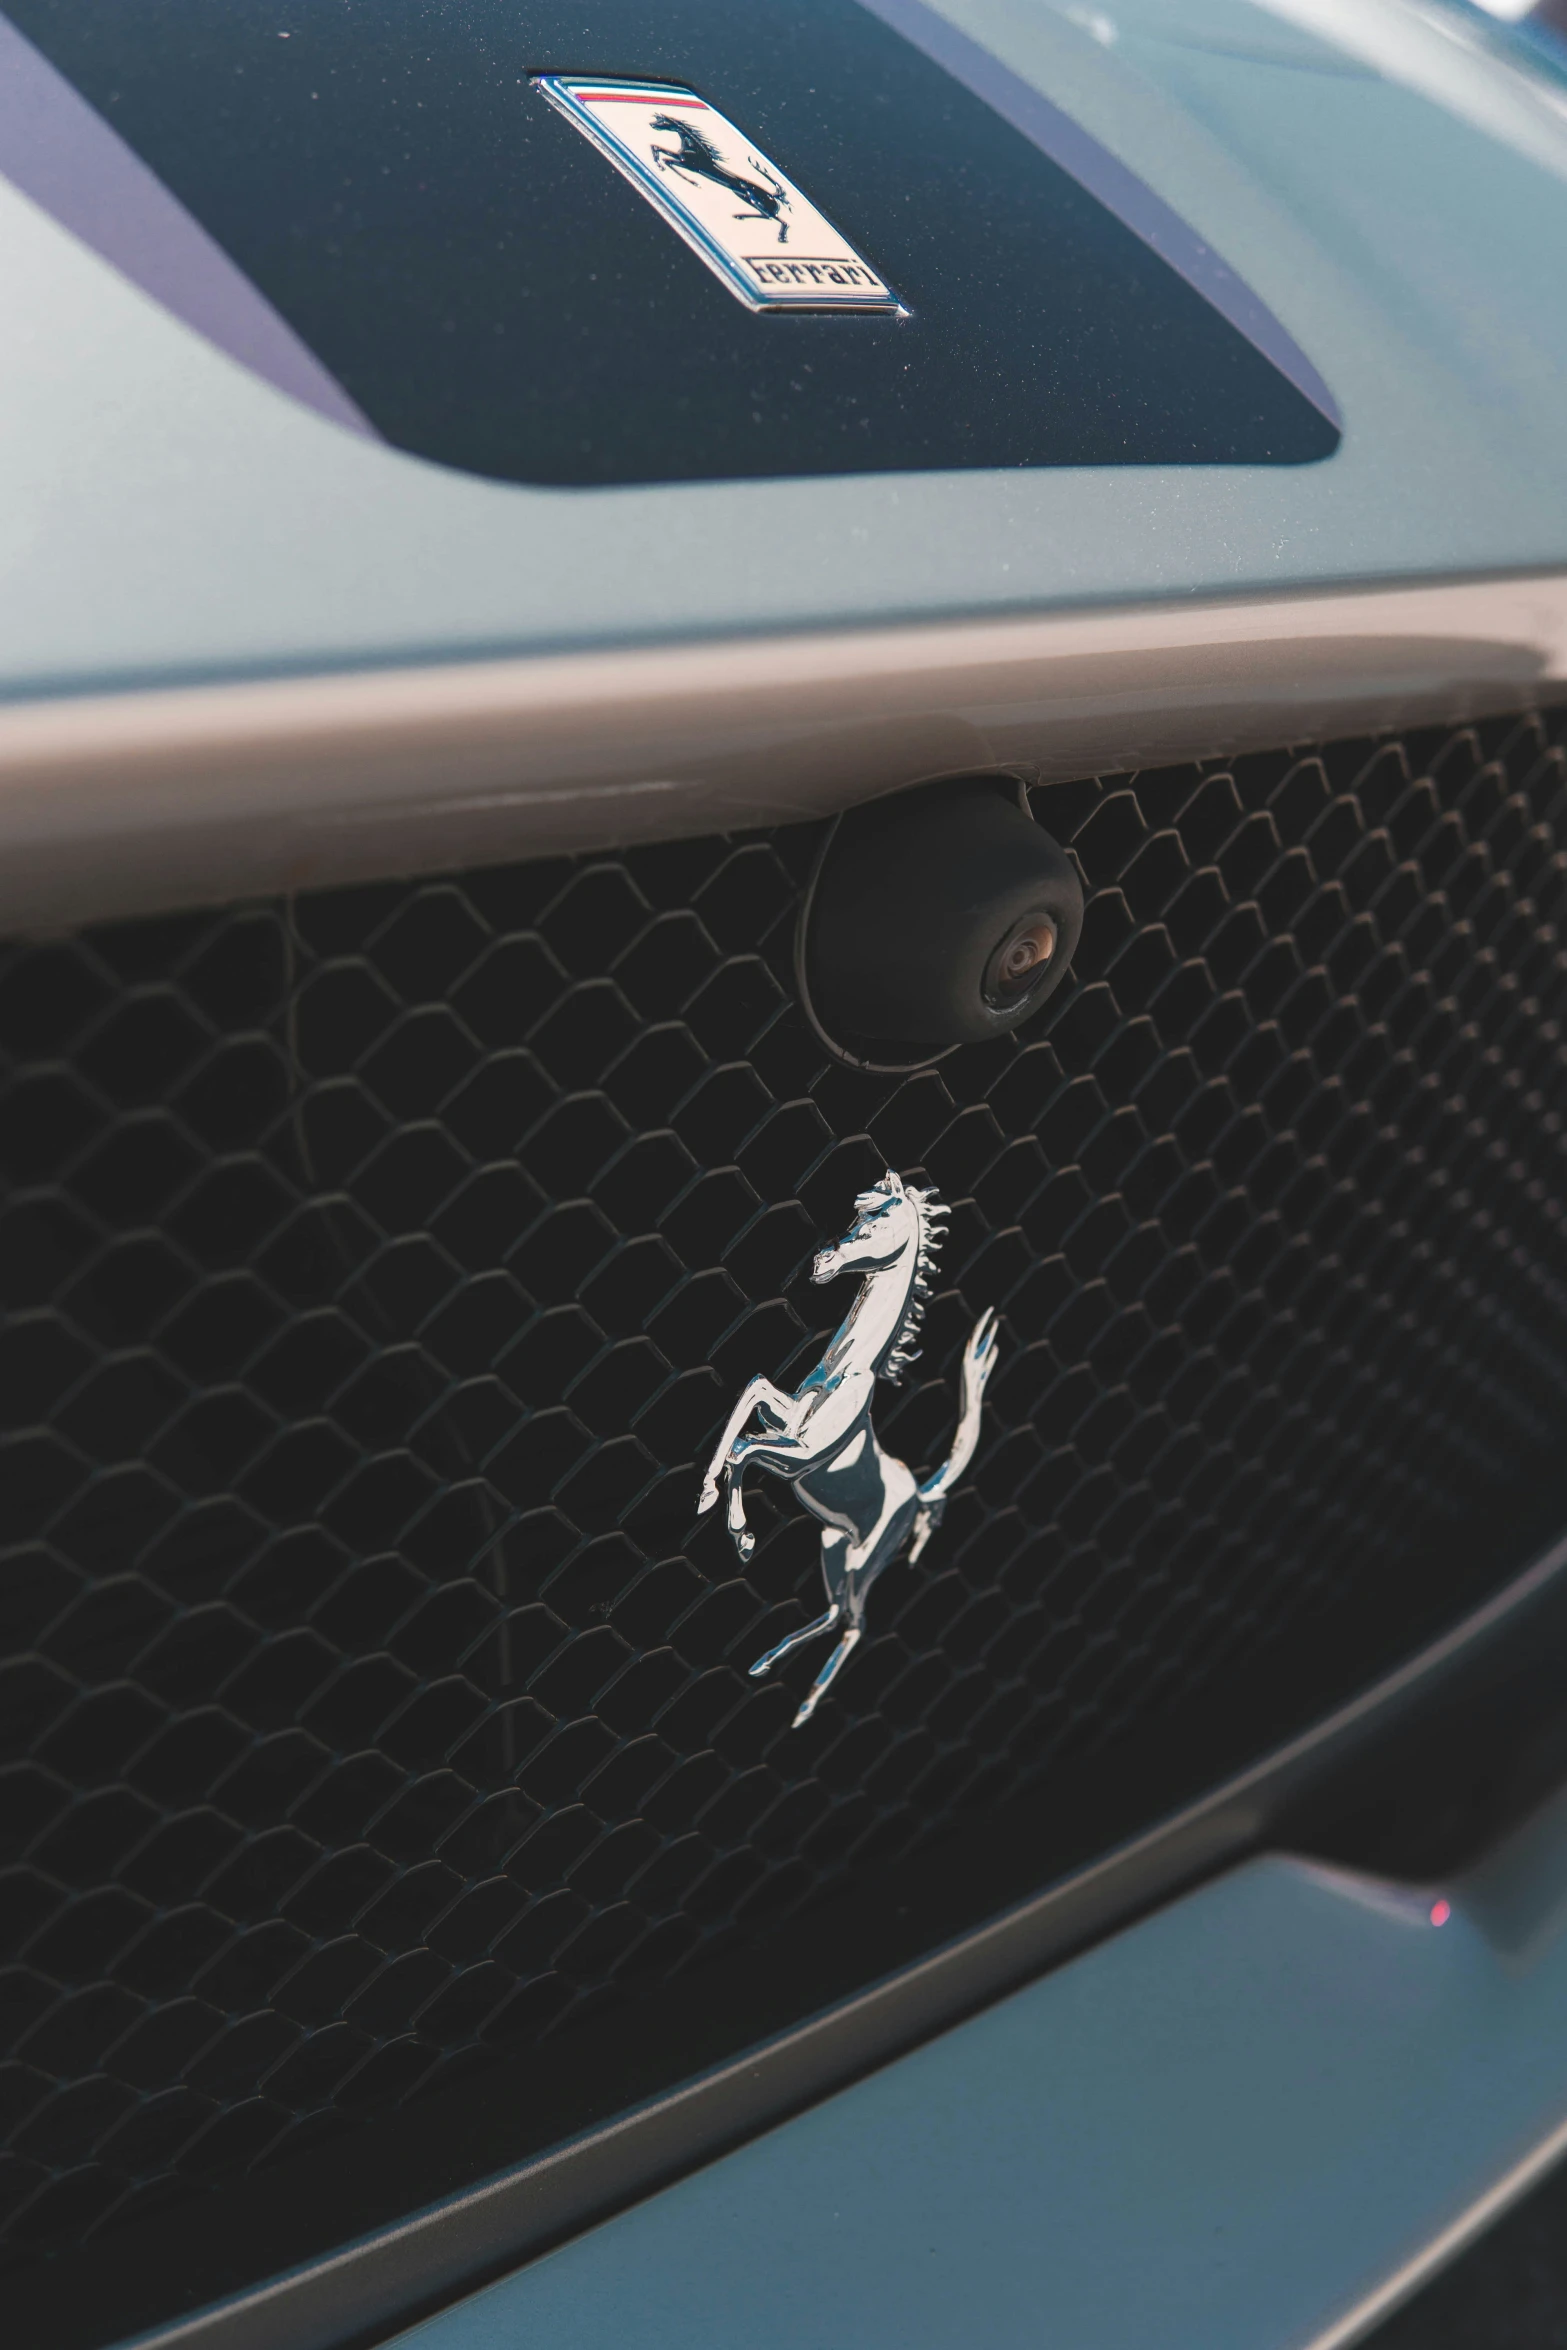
x=376, y=1270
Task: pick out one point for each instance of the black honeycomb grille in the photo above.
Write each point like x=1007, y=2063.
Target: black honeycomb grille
x=376, y=1268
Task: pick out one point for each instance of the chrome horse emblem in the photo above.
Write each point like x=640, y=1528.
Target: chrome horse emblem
x=821, y=1438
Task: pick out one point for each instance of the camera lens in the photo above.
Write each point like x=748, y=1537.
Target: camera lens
x=1021, y=960
x=935, y=917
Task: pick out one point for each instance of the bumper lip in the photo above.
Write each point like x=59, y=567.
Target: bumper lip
x=129, y=802
x=1256, y=2120
x=364, y=2290
x=1403, y=2282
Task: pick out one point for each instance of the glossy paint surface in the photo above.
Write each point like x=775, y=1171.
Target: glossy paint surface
x=172, y=517
x=494, y=298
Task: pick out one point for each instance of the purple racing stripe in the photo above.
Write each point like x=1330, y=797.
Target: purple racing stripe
x=1120, y=191
x=61, y=153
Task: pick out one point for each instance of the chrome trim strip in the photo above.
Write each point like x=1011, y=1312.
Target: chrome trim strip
x=128, y=802
x=364, y=2289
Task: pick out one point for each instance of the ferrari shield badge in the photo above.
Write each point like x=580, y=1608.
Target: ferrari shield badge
x=751, y=225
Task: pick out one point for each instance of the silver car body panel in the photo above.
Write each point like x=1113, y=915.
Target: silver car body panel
x=244, y=648
x=170, y=516
x=122, y=803
x=1255, y=2121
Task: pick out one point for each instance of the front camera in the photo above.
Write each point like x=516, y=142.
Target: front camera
x=936, y=917
x=1021, y=960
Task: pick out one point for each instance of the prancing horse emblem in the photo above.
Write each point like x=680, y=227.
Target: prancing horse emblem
x=736, y=208
x=697, y=155
x=821, y=1437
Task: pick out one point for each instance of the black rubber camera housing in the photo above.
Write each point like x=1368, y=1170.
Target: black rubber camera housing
x=935, y=918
